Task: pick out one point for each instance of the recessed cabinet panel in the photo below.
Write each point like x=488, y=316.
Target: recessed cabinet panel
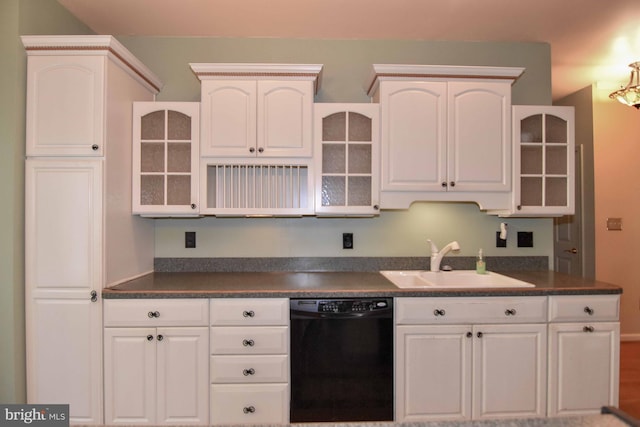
x=65, y=104
x=346, y=137
x=479, y=146
x=165, y=158
x=413, y=135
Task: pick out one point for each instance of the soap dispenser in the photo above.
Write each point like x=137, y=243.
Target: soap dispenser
x=481, y=267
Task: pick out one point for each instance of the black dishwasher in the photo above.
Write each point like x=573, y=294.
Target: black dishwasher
x=341, y=360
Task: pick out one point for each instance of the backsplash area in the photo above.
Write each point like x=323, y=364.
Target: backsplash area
x=393, y=234
x=360, y=264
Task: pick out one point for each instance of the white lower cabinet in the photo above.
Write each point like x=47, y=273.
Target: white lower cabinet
x=584, y=354
x=448, y=368
x=249, y=361
x=156, y=375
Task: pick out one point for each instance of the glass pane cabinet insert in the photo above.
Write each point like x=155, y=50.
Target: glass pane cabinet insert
x=545, y=136
x=347, y=141
x=165, y=158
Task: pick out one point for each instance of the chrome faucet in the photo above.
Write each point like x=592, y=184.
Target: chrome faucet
x=436, y=256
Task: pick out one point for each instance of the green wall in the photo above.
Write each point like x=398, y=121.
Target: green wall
x=17, y=17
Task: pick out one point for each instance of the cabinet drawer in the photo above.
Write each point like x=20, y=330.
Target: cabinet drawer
x=249, y=404
x=250, y=369
x=252, y=340
x=577, y=308
x=250, y=311
x=470, y=310
x=156, y=312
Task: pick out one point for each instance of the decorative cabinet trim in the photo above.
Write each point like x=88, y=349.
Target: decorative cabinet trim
x=235, y=71
x=407, y=72
x=93, y=45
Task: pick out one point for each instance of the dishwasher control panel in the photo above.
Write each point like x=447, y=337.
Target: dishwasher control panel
x=342, y=306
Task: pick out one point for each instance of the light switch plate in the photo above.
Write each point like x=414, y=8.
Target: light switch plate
x=614, y=224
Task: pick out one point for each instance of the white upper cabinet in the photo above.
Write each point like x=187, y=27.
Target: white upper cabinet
x=257, y=110
x=445, y=133
x=67, y=96
x=165, y=162
x=347, y=159
x=543, y=161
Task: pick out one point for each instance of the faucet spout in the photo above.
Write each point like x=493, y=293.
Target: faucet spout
x=436, y=256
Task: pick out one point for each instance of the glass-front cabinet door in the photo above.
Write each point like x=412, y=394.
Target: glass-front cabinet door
x=347, y=159
x=544, y=160
x=165, y=158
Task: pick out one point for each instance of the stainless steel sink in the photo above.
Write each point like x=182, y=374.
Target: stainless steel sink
x=417, y=279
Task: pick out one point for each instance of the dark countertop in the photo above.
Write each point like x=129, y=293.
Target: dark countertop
x=333, y=285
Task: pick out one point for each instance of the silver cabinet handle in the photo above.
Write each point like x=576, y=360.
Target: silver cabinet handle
x=95, y=147
x=252, y=150
x=479, y=334
x=248, y=313
x=248, y=343
x=248, y=409
x=160, y=337
x=439, y=312
x=149, y=337
x=588, y=310
x=153, y=314
x=247, y=372
x=510, y=312
x=94, y=296
x=588, y=329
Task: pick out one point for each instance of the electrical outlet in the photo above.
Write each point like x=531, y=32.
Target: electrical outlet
x=347, y=240
x=525, y=239
x=500, y=243
x=189, y=239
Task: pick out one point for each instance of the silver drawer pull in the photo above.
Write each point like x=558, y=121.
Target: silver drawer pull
x=510, y=312
x=439, y=312
x=588, y=329
x=588, y=310
x=249, y=313
x=248, y=409
x=153, y=314
x=247, y=372
x=248, y=343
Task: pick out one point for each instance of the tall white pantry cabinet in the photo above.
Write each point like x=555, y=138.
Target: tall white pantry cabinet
x=80, y=235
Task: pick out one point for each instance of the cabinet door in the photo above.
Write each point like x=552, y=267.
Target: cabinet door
x=433, y=372
x=347, y=161
x=228, y=110
x=63, y=253
x=165, y=158
x=65, y=105
x=414, y=152
x=584, y=363
x=509, y=370
x=183, y=375
x=544, y=160
x=479, y=137
x=130, y=375
x=284, y=118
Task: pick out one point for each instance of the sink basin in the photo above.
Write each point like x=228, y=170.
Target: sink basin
x=416, y=279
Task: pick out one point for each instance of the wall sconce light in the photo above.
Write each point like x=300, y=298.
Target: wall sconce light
x=630, y=94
